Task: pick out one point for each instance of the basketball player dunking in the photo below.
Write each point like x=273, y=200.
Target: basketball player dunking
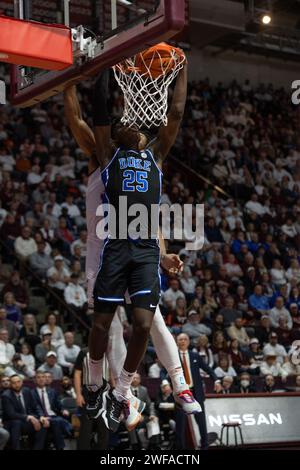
x=106, y=299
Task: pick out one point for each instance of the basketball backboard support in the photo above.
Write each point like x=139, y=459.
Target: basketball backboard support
x=111, y=31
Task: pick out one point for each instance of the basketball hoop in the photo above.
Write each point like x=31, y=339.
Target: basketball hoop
x=145, y=80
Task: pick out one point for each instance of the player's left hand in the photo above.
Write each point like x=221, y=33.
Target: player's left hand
x=172, y=263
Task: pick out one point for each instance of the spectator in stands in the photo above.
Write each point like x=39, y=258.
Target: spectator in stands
x=21, y=415
x=4, y=384
x=64, y=237
x=7, y=350
x=229, y=313
x=238, y=332
x=219, y=344
x=244, y=384
x=239, y=359
x=40, y=262
x=57, y=338
x=80, y=242
x=42, y=349
x=18, y=367
x=58, y=275
x=165, y=407
x=4, y=436
x=29, y=332
x=227, y=385
x=8, y=325
x=279, y=311
x=51, y=411
x=278, y=275
x=263, y=330
x=50, y=365
x=255, y=356
x=27, y=357
x=75, y=295
x=258, y=301
x=195, y=327
x=272, y=347
x=224, y=368
x=68, y=390
x=67, y=353
x=48, y=379
x=18, y=288
x=13, y=312
x=203, y=349
x=171, y=295
x=272, y=366
x=10, y=231
x=25, y=244
x=139, y=435
x=269, y=384
x=156, y=370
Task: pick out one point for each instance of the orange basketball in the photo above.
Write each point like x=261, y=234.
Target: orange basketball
x=159, y=59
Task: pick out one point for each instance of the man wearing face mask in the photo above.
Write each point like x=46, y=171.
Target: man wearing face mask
x=245, y=385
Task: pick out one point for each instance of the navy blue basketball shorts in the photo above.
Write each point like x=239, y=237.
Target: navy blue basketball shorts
x=128, y=265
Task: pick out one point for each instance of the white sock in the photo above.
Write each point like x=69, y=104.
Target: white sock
x=178, y=380
x=123, y=385
x=95, y=373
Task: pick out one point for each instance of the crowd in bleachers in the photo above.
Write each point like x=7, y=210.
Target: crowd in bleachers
x=238, y=298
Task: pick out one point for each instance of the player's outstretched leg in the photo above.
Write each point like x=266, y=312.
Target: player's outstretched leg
x=117, y=405
x=95, y=385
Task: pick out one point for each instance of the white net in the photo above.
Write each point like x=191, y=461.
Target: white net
x=145, y=84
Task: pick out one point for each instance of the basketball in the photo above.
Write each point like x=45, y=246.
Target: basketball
x=158, y=60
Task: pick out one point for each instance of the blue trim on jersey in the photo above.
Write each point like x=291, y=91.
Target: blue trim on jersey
x=110, y=299
x=108, y=165
x=140, y=292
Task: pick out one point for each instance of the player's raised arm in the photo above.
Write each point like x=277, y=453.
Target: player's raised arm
x=167, y=134
x=81, y=132
x=102, y=121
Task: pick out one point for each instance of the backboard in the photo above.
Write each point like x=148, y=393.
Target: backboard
x=110, y=31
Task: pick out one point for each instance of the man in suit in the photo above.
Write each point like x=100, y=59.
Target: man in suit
x=50, y=411
x=21, y=415
x=149, y=425
x=192, y=363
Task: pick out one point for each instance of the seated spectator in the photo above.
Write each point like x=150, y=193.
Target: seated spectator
x=50, y=365
x=40, y=262
x=78, y=268
x=293, y=271
x=218, y=323
x=67, y=353
x=64, y=237
x=263, y=330
x=269, y=384
x=194, y=328
x=58, y=275
x=278, y=275
x=227, y=385
x=255, y=356
x=178, y=318
x=8, y=325
x=13, y=312
x=18, y=367
x=18, y=289
x=229, y=313
x=51, y=412
x=75, y=295
x=294, y=312
x=292, y=366
x=48, y=379
x=224, y=368
x=165, y=406
x=25, y=244
x=21, y=415
x=46, y=345
x=188, y=284
x=7, y=350
x=237, y=331
x=233, y=269
x=283, y=332
x=219, y=344
x=171, y=295
x=272, y=347
x=28, y=358
x=270, y=365
x=255, y=206
x=80, y=242
x=156, y=370
x=241, y=300
x=67, y=388
x=73, y=211
x=244, y=384
x=4, y=384
x=258, y=301
x=238, y=359
x=57, y=338
x=279, y=311
x=203, y=349
x=29, y=332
